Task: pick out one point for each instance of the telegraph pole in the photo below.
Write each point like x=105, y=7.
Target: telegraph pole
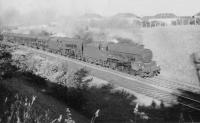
x=150, y=24
x=195, y=20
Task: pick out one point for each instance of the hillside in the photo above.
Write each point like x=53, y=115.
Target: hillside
x=172, y=47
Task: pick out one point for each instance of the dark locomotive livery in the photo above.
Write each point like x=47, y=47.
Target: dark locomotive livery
x=129, y=58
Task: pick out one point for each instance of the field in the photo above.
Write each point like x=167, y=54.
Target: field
x=172, y=48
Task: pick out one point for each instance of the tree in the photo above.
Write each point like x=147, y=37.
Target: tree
x=162, y=105
x=62, y=78
x=80, y=78
x=6, y=67
x=153, y=104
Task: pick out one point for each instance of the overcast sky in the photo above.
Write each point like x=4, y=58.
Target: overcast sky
x=104, y=7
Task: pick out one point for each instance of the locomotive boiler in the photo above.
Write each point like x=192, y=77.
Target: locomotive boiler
x=133, y=59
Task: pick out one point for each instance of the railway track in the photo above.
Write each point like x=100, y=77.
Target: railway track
x=157, y=87
x=176, y=84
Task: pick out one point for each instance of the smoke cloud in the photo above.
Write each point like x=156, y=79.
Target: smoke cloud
x=29, y=16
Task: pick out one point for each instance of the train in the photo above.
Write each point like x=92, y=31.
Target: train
x=129, y=58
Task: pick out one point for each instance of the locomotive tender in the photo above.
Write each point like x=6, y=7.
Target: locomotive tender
x=131, y=58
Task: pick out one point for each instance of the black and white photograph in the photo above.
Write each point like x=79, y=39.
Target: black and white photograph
x=99, y=61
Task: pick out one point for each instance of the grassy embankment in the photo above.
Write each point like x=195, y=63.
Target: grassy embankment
x=115, y=106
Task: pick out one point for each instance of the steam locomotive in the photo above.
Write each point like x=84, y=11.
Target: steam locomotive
x=131, y=58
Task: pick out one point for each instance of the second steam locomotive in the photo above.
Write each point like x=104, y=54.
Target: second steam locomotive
x=130, y=58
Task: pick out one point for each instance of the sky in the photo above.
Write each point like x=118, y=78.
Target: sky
x=103, y=7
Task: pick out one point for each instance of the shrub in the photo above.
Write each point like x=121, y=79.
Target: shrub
x=35, y=80
x=6, y=67
x=21, y=109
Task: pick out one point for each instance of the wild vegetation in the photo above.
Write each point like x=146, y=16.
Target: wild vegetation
x=20, y=106
x=20, y=102
x=17, y=108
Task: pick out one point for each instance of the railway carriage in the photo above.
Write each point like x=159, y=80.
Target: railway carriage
x=66, y=46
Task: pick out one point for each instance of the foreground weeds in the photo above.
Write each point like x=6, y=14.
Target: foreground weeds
x=17, y=108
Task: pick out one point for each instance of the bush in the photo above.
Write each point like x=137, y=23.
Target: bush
x=80, y=78
x=17, y=108
x=115, y=106
x=35, y=80
x=6, y=67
